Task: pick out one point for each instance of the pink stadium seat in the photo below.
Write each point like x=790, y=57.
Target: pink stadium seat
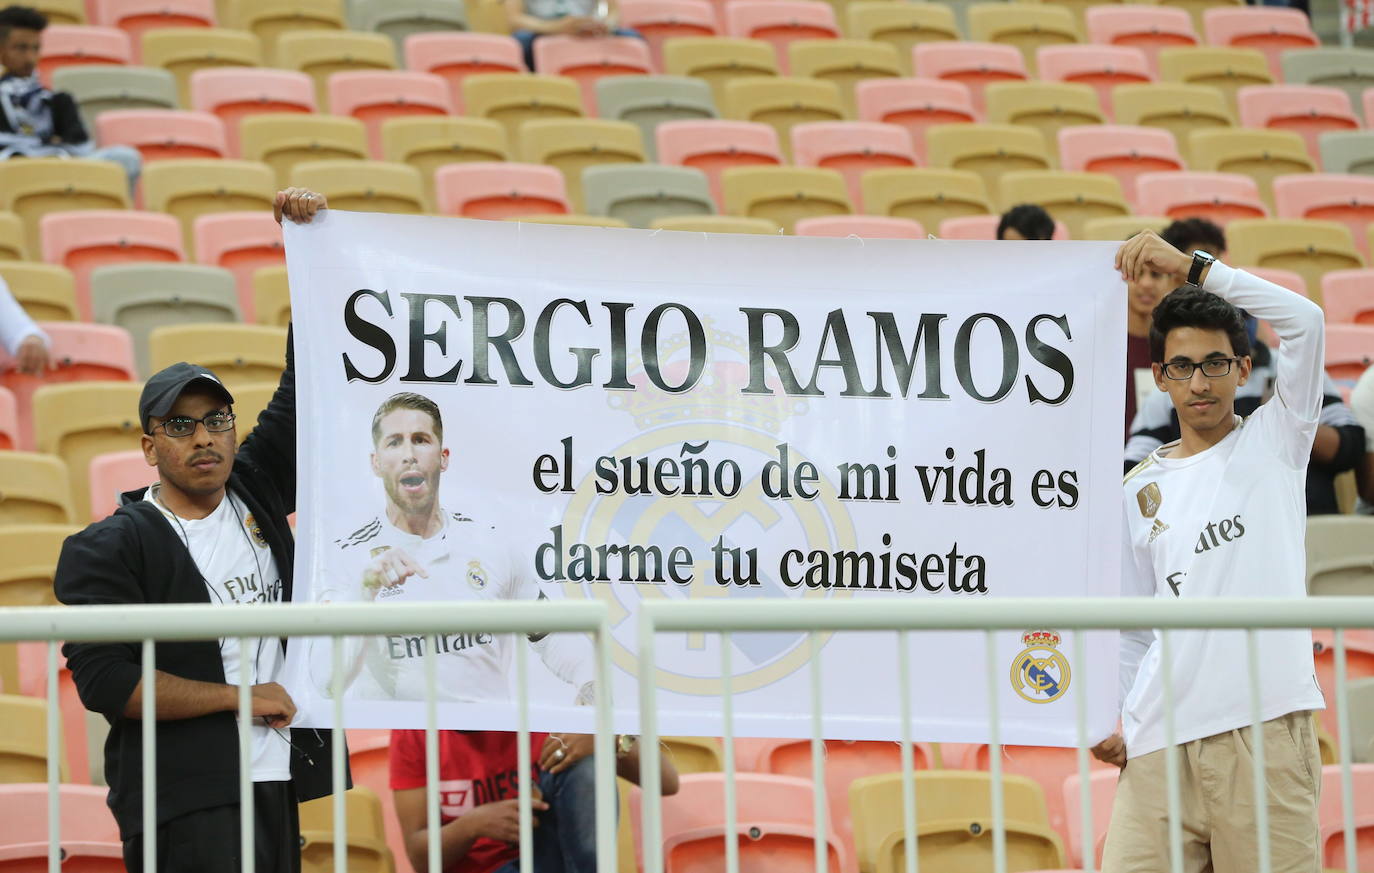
x=1119, y=150
x=135, y=17
x=90, y=238
x=483, y=189
x=1269, y=29
x=454, y=55
x=1328, y=197
x=235, y=92
x=164, y=133
x=1283, y=278
x=1148, y=28
x=915, y=104
x=975, y=64
x=984, y=227
x=714, y=146
x=242, y=243
x=1331, y=813
x=1348, y=296
x=862, y=226
x=1349, y=350
x=81, y=352
x=661, y=20
x=369, y=759
x=586, y=60
x=1102, y=783
x=70, y=45
x=9, y=420
x=781, y=22
x=1046, y=765
x=1102, y=67
x=1308, y=110
x=373, y=96
x=1219, y=197
x=114, y=473
x=89, y=836
x=853, y=148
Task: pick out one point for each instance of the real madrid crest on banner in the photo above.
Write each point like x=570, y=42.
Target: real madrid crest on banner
x=477, y=577
x=1040, y=673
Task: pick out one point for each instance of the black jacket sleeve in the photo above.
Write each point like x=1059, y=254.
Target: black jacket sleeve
x=1351, y=451
x=66, y=119
x=271, y=447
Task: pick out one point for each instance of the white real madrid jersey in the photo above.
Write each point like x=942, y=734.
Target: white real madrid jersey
x=1227, y=522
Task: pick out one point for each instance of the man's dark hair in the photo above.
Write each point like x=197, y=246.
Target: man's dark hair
x=20, y=18
x=1027, y=219
x=1187, y=306
x=1189, y=234
x=407, y=400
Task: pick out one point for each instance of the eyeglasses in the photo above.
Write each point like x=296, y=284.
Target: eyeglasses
x=181, y=426
x=1212, y=368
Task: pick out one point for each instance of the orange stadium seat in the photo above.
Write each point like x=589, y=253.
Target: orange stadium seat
x=1218, y=197
x=916, y=105
x=1121, y=151
x=188, y=189
x=1026, y=26
x=1308, y=110
x=990, y=150
x=427, y=143
x=499, y=190
x=1269, y=29
x=783, y=103
x=637, y=194
x=648, y=101
x=976, y=65
x=1346, y=298
x=984, y=227
x=853, y=148
x=1048, y=766
x=164, y=133
x=719, y=60
x=241, y=242
x=9, y=421
x=234, y=94
x=113, y=474
x=1049, y=107
x=862, y=226
x=80, y=352
x=1179, y=109
x=784, y=195
x=1073, y=198
x=33, y=187
x=1308, y=248
x=846, y=62
x=13, y=246
x=46, y=291
x=1226, y=69
x=586, y=60
x=1331, y=816
x=1102, y=791
x=374, y=97
x=661, y=20
x=322, y=53
x=455, y=56
x=1328, y=197
x=713, y=146
x=1148, y=28
x=134, y=17
x=36, y=491
x=925, y=195
x=1263, y=155
x=901, y=25
x=84, y=240
x=514, y=98
x=1102, y=67
x=283, y=140
x=80, y=420
x=269, y=19
x=89, y=836
x=143, y=297
x=364, y=186
x=182, y=52
x=781, y=22
x=69, y=45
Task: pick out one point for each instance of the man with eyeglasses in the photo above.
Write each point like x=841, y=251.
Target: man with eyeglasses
x=212, y=529
x=1220, y=512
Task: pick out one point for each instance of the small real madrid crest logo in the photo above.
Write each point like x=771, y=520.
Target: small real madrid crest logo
x=477, y=577
x=1149, y=499
x=1040, y=673
x=255, y=529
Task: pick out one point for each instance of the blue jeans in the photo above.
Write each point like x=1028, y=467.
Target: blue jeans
x=526, y=39
x=565, y=841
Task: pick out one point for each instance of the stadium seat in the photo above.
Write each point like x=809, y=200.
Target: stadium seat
x=89, y=841
x=250, y=400
x=1102, y=791
x=713, y=146
x=235, y=93
x=374, y=97
x=572, y=145
x=925, y=195
x=1359, y=652
x=514, y=98
x=71, y=45
x=1049, y=107
x=270, y=19
x=33, y=187
x=427, y=143
x=63, y=11
x=1126, y=153
x=113, y=474
x=9, y=421
x=853, y=148
x=784, y=194
x=1348, y=152
x=499, y=190
x=1218, y=197
x=99, y=89
x=1331, y=816
x=846, y=62
x=367, y=849
x=1308, y=248
x=36, y=491
x=1148, y=28
x=783, y=103
x=241, y=242
x=717, y=224
x=1263, y=155
x=1048, y=766
x=1026, y=26
x=80, y=420
x=780, y=23
x=639, y=193
x=159, y=134
x=46, y=291
x=974, y=64
x=84, y=240
x=1226, y=69
x=1271, y=30
x=1102, y=67
x=283, y=140
x=272, y=296
x=13, y=246
x=916, y=105
x=322, y=53
x=1345, y=296
x=1349, y=352
x=24, y=753
x=135, y=17
x=1340, y=554
x=1361, y=699
x=364, y=186
x=648, y=101
x=1179, y=109
x=183, y=51
x=401, y=19
x=587, y=60
x=188, y=189
x=862, y=226
x=902, y=25
x=694, y=754
x=1328, y=197
x=455, y=56
x=984, y=227
x=142, y=297
x=240, y=354
x=1121, y=227
x=719, y=60
x=660, y=20
x=1073, y=198
x=1307, y=110
x=1351, y=70
x=990, y=150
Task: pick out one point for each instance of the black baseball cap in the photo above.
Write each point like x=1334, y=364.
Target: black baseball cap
x=162, y=389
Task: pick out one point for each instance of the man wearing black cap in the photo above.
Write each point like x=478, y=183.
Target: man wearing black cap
x=212, y=529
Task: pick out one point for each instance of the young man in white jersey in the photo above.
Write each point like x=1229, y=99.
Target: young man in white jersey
x=1219, y=513
x=418, y=551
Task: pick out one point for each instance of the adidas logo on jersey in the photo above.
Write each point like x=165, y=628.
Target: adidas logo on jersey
x=1158, y=528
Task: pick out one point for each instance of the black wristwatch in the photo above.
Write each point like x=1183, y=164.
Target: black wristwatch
x=1201, y=260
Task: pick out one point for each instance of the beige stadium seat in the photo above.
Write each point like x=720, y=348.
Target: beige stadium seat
x=33, y=187
x=269, y=20
x=846, y=62
x=24, y=745
x=1226, y=69
x=1349, y=151
x=364, y=186
x=250, y=399
x=1263, y=155
x=784, y=194
x=398, y=19
x=1073, y=198
x=321, y=53
x=1309, y=248
x=716, y=224
x=240, y=354
x=34, y=490
x=272, y=296
x=569, y=219
x=637, y=194
x=31, y=551
x=719, y=60
x=1122, y=227
x=990, y=150
x=190, y=188
x=79, y=420
x=1340, y=555
x=1049, y=107
x=927, y=196
x=427, y=143
x=783, y=103
x=100, y=89
x=366, y=848
x=62, y=11
x=901, y=25
x=283, y=140
x=143, y=297
x=1027, y=26
x=46, y=291
x=1198, y=8
x=13, y=246
x=1179, y=109
x=572, y=145
x=648, y=101
x=514, y=98
x=183, y=50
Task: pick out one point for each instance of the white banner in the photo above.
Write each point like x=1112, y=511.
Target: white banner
x=490, y=410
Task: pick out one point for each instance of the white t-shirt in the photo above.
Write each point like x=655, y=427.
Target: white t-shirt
x=237, y=567
x=1229, y=521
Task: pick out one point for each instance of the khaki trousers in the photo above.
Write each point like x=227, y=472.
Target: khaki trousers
x=1217, y=804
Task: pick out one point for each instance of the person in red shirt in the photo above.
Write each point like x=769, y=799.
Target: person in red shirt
x=479, y=796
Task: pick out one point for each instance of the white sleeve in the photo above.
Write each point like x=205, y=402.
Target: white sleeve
x=569, y=656
x=1136, y=581
x=15, y=323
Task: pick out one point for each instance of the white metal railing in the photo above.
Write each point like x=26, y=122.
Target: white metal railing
x=185, y=622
